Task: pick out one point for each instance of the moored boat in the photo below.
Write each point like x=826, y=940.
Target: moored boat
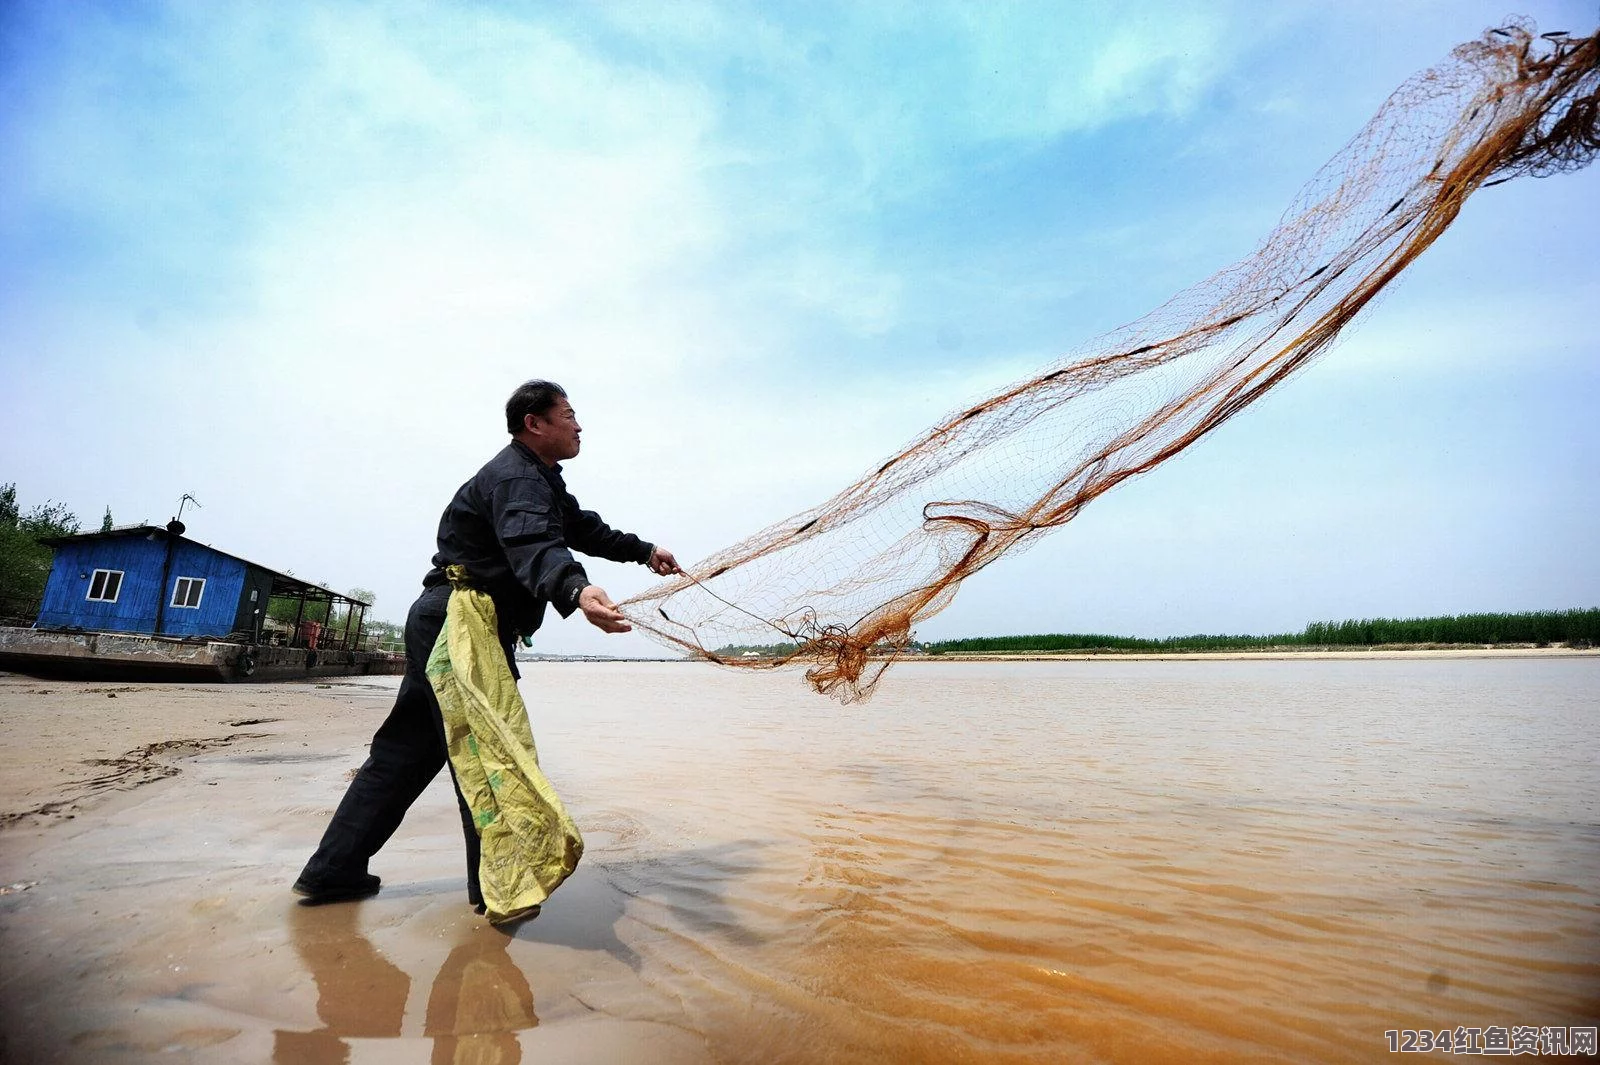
x=148, y=603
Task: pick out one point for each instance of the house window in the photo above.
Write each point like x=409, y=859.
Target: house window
x=187, y=592
x=106, y=585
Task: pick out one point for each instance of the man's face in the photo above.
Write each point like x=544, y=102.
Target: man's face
x=557, y=430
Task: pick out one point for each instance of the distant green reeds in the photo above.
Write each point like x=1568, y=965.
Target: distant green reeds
x=1546, y=627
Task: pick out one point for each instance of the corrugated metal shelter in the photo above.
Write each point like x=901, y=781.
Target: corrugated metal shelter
x=146, y=579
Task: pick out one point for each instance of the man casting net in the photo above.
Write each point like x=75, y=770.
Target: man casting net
x=840, y=586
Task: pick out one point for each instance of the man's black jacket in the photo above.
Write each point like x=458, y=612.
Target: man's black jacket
x=511, y=526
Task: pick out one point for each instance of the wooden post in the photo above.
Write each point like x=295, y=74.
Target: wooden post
x=166, y=572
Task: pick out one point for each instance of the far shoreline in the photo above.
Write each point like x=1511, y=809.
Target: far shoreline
x=1271, y=654
x=1388, y=651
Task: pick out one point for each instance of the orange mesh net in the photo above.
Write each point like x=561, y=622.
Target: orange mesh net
x=840, y=586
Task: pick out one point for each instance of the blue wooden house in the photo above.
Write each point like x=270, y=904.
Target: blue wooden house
x=146, y=579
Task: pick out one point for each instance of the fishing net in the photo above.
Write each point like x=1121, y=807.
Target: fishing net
x=840, y=586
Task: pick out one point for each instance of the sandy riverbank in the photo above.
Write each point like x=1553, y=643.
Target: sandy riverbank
x=70, y=746
x=148, y=836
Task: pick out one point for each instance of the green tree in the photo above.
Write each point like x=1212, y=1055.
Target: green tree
x=339, y=616
x=24, y=561
x=332, y=616
x=105, y=522
x=386, y=636
x=376, y=635
x=288, y=609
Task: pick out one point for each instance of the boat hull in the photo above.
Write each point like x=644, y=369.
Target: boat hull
x=120, y=656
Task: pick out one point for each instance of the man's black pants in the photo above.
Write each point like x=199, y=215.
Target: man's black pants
x=407, y=753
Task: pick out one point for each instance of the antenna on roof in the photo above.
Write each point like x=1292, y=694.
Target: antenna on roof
x=176, y=526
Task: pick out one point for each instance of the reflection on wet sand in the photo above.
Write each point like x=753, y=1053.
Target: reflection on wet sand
x=479, y=1002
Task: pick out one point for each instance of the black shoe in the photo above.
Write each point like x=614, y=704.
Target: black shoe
x=317, y=892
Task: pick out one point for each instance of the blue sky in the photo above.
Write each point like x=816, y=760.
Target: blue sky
x=291, y=258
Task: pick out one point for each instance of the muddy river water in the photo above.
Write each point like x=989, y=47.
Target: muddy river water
x=989, y=862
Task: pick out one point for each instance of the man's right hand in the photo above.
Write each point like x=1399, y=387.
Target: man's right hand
x=601, y=611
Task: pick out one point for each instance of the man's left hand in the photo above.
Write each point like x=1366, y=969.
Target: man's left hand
x=662, y=562
x=601, y=612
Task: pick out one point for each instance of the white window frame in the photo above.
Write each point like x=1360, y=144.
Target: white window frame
x=95, y=578
x=187, y=584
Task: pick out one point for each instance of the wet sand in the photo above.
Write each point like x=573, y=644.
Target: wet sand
x=146, y=913
x=1105, y=861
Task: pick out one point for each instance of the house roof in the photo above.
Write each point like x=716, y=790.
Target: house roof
x=284, y=584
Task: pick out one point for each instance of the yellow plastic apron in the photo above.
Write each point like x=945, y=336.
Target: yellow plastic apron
x=529, y=844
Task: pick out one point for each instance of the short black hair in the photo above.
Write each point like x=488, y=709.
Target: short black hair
x=531, y=397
